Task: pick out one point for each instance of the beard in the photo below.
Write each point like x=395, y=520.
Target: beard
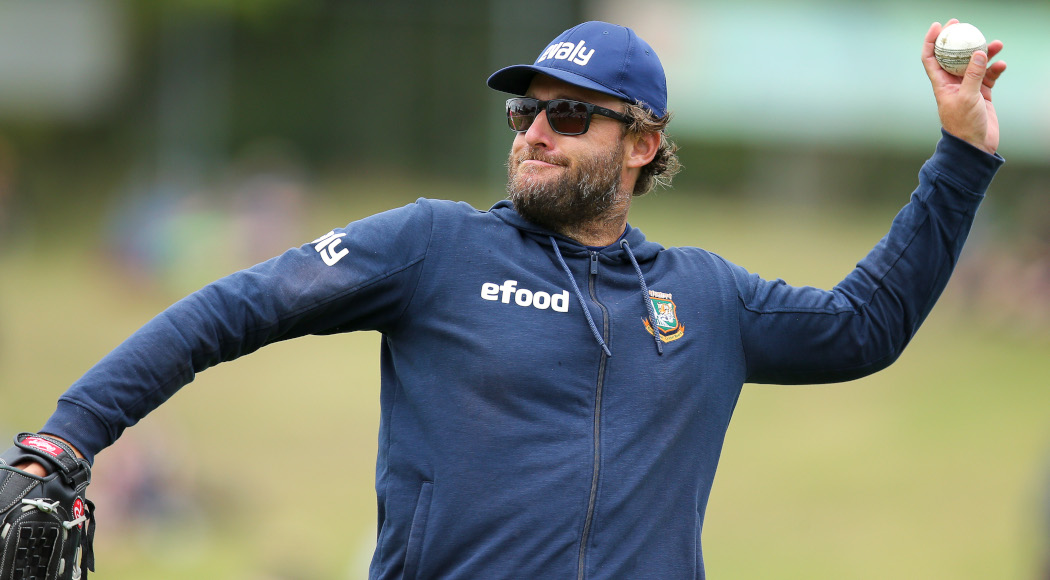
x=582, y=192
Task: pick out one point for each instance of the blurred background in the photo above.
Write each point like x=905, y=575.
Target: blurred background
x=148, y=147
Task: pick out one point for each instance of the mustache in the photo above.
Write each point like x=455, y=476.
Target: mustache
x=532, y=154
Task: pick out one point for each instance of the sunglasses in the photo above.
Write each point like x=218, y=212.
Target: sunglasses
x=564, y=116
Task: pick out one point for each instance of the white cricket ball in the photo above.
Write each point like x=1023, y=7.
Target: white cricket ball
x=955, y=44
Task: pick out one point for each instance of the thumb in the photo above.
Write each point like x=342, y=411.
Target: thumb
x=974, y=75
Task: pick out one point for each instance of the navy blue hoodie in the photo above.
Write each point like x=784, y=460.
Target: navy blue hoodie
x=548, y=410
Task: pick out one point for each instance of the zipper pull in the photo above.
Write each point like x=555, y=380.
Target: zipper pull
x=594, y=263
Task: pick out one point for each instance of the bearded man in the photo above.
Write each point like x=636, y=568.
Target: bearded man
x=574, y=432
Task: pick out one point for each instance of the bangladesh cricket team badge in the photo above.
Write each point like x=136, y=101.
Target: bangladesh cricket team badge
x=667, y=324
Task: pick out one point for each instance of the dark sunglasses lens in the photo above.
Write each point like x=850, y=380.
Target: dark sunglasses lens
x=568, y=117
x=521, y=113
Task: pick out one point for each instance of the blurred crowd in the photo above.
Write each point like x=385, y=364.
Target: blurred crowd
x=1003, y=277
x=176, y=237
x=7, y=180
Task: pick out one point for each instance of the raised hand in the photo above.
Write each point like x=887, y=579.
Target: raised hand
x=964, y=104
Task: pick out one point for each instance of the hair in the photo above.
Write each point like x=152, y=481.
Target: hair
x=664, y=166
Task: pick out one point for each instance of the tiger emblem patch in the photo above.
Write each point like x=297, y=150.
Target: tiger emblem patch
x=667, y=325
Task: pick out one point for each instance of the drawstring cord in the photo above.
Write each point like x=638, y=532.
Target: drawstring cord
x=579, y=296
x=649, y=309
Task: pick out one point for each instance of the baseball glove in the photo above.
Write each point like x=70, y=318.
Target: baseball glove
x=46, y=523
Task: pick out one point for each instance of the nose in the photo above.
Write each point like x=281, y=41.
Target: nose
x=540, y=132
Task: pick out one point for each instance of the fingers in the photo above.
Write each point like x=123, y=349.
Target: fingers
x=979, y=74
x=929, y=61
x=973, y=78
x=933, y=69
x=994, y=47
x=931, y=36
x=992, y=74
x=32, y=468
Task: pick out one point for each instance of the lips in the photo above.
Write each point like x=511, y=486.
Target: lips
x=541, y=158
x=540, y=162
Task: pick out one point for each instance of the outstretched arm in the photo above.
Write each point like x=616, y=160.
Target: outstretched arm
x=806, y=335
x=354, y=278
x=965, y=104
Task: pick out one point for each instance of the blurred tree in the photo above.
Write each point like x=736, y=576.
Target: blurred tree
x=354, y=84
x=397, y=84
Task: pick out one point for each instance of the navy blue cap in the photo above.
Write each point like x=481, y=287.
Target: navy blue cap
x=599, y=56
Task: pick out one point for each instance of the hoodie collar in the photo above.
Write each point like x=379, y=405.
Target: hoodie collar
x=643, y=250
x=631, y=248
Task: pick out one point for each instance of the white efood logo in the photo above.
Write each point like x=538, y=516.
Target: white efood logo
x=576, y=53
x=522, y=297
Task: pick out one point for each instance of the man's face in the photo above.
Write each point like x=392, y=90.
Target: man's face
x=559, y=181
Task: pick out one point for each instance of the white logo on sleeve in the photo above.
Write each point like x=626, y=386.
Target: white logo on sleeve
x=326, y=246
x=575, y=53
x=522, y=297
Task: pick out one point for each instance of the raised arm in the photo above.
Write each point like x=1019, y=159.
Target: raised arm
x=807, y=335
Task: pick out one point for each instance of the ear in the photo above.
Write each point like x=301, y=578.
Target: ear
x=641, y=149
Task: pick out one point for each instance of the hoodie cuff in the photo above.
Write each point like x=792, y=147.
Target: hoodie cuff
x=80, y=427
x=966, y=166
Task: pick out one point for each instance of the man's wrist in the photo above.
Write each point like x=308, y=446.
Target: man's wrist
x=71, y=446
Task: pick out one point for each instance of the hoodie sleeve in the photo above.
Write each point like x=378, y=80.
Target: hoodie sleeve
x=353, y=278
x=794, y=335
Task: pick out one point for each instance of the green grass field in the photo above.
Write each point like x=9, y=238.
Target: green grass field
x=939, y=467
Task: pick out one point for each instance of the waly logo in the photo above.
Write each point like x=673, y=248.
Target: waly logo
x=575, y=53
x=326, y=246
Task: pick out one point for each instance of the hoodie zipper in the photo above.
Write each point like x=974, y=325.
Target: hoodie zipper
x=592, y=283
